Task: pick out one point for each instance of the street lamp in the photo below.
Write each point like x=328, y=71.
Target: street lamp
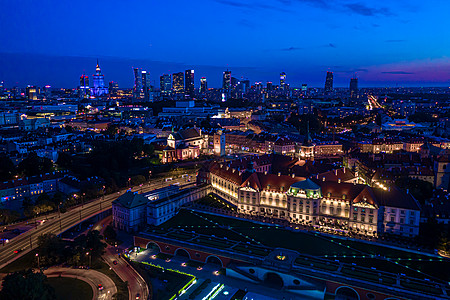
x=87, y=253
x=39, y=264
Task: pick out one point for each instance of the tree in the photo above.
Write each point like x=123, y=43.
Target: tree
x=92, y=243
x=8, y=216
x=51, y=249
x=420, y=189
x=7, y=169
x=26, y=285
x=35, y=165
x=110, y=233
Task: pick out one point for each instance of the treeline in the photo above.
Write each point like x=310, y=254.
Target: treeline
x=32, y=165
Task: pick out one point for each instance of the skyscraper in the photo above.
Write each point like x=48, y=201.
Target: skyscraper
x=146, y=87
x=269, y=85
x=189, y=83
x=226, y=83
x=113, y=88
x=354, y=88
x=165, y=83
x=137, y=84
x=98, y=83
x=84, y=86
x=329, y=83
x=178, y=82
x=203, y=85
x=32, y=92
x=283, y=80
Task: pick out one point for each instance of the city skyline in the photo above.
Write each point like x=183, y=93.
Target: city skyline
x=395, y=44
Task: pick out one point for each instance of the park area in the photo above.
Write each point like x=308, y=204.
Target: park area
x=70, y=288
x=360, y=259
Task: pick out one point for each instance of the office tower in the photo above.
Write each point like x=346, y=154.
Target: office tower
x=329, y=83
x=189, y=83
x=226, y=83
x=178, y=82
x=203, y=85
x=2, y=88
x=146, y=86
x=165, y=83
x=113, y=88
x=32, y=92
x=137, y=84
x=84, y=86
x=304, y=87
x=283, y=80
x=269, y=85
x=98, y=82
x=244, y=86
x=354, y=88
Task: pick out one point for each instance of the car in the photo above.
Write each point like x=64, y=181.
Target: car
x=17, y=251
x=100, y=287
x=115, y=262
x=138, y=296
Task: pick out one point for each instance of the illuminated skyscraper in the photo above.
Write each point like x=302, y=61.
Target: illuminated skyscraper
x=329, y=83
x=226, y=83
x=98, y=83
x=269, y=85
x=283, y=80
x=354, y=88
x=32, y=92
x=203, y=85
x=84, y=86
x=113, y=88
x=189, y=83
x=178, y=82
x=137, y=84
x=146, y=86
x=165, y=83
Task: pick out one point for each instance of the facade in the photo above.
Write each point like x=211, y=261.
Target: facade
x=84, y=86
x=165, y=83
x=282, y=81
x=342, y=205
x=98, y=83
x=189, y=83
x=226, y=81
x=353, y=88
x=146, y=86
x=203, y=85
x=219, y=143
x=178, y=82
x=129, y=211
x=329, y=83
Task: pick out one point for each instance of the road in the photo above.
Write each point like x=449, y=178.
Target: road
x=59, y=223
x=92, y=277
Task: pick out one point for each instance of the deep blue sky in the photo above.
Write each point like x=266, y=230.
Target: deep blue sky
x=396, y=42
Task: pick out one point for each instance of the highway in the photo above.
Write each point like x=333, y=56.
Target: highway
x=58, y=223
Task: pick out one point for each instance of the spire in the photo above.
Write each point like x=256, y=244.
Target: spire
x=97, y=68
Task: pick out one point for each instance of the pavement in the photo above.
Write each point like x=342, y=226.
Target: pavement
x=92, y=277
x=57, y=223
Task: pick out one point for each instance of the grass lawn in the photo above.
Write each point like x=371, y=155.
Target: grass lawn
x=311, y=244
x=71, y=288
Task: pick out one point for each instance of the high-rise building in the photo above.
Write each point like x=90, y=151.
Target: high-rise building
x=283, y=80
x=137, y=84
x=113, y=88
x=98, y=83
x=84, y=86
x=189, y=83
x=354, y=88
x=269, y=85
x=146, y=86
x=32, y=92
x=329, y=83
x=178, y=82
x=226, y=82
x=203, y=85
x=304, y=87
x=2, y=88
x=165, y=83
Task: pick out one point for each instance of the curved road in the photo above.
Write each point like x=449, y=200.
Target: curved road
x=92, y=277
x=59, y=223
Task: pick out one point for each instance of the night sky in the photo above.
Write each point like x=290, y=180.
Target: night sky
x=386, y=43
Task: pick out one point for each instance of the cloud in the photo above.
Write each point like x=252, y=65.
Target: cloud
x=364, y=10
x=292, y=49
x=397, y=73
x=395, y=41
x=332, y=45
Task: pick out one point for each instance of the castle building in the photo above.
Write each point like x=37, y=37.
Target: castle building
x=98, y=83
